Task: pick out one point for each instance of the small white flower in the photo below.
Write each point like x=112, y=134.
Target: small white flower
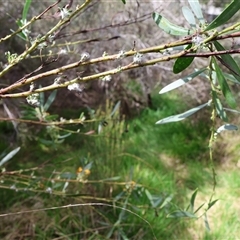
x=58, y=80
x=32, y=86
x=49, y=190
x=62, y=52
x=107, y=78
x=33, y=99
x=121, y=54
x=85, y=57
x=197, y=40
x=51, y=38
x=64, y=13
x=62, y=119
x=137, y=58
x=75, y=87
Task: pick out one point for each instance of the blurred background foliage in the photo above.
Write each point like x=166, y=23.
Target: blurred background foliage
x=119, y=158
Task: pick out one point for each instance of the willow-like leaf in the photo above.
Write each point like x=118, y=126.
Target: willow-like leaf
x=192, y=201
x=182, y=62
x=227, y=127
x=181, y=214
x=178, y=83
x=9, y=156
x=196, y=7
x=206, y=223
x=212, y=203
x=116, y=107
x=231, y=78
x=169, y=27
x=218, y=106
x=25, y=9
x=227, y=13
x=224, y=86
x=189, y=16
x=181, y=116
x=50, y=100
x=229, y=61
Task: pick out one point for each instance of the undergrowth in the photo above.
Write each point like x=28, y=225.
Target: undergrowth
x=143, y=164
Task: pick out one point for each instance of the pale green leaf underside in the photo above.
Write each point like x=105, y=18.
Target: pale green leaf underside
x=231, y=78
x=196, y=7
x=231, y=110
x=181, y=116
x=189, y=16
x=169, y=27
x=9, y=156
x=181, y=81
x=227, y=127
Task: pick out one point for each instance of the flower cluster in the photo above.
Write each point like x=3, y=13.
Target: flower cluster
x=33, y=99
x=137, y=58
x=75, y=87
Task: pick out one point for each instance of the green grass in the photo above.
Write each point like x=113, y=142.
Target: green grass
x=168, y=160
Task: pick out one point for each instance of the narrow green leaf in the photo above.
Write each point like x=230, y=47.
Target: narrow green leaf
x=196, y=7
x=229, y=61
x=9, y=156
x=193, y=197
x=166, y=201
x=116, y=107
x=181, y=214
x=219, y=108
x=50, y=100
x=227, y=13
x=206, y=222
x=41, y=97
x=181, y=116
x=181, y=81
x=231, y=110
x=88, y=166
x=169, y=27
x=182, y=62
x=123, y=234
x=65, y=186
x=22, y=34
x=149, y=196
x=64, y=136
x=199, y=207
x=189, y=16
x=157, y=201
x=224, y=86
x=212, y=203
x=25, y=9
x=68, y=175
x=124, y=2
x=231, y=78
x=111, y=179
